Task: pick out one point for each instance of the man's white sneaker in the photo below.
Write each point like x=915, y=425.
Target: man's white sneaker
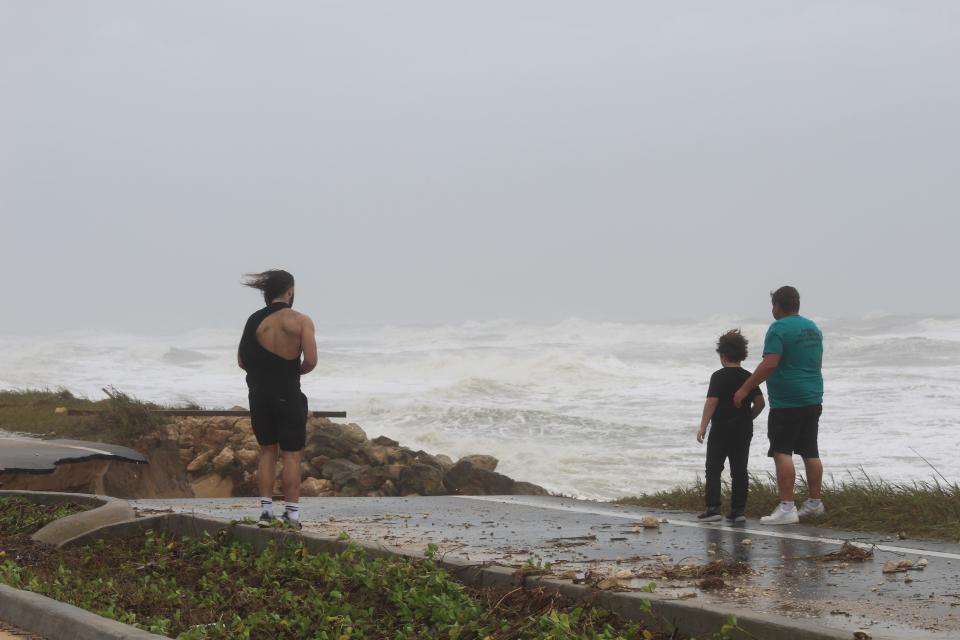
x=779, y=516
x=811, y=510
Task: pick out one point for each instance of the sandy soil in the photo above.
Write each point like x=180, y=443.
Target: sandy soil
x=8, y=632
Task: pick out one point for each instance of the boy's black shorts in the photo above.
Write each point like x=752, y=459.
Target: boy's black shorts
x=279, y=417
x=794, y=431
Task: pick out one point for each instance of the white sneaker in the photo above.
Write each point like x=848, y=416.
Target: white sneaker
x=811, y=510
x=779, y=516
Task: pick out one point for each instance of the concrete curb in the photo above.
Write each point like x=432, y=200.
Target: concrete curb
x=105, y=511
x=690, y=617
x=55, y=620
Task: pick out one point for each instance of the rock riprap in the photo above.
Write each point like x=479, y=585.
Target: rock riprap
x=220, y=456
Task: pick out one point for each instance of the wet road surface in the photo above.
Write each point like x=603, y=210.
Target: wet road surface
x=787, y=577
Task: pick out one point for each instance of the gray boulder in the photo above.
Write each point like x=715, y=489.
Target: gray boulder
x=335, y=440
x=422, y=479
x=487, y=463
x=339, y=470
x=528, y=489
x=465, y=479
x=422, y=457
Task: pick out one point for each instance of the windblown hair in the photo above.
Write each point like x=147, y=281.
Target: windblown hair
x=787, y=298
x=273, y=283
x=732, y=346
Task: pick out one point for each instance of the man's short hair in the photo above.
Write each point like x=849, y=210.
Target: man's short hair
x=273, y=283
x=732, y=346
x=787, y=298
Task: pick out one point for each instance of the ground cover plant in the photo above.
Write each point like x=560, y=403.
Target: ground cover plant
x=858, y=503
x=20, y=517
x=213, y=588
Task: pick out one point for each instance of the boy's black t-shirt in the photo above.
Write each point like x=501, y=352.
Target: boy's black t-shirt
x=723, y=384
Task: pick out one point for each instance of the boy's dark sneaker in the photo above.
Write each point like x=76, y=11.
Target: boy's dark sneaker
x=293, y=524
x=736, y=516
x=712, y=514
x=266, y=519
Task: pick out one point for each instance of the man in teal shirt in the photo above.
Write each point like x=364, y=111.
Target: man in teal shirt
x=791, y=367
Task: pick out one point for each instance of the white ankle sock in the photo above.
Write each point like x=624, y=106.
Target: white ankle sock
x=266, y=505
x=813, y=502
x=292, y=510
x=787, y=505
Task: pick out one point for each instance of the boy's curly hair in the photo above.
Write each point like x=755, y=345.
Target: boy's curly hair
x=732, y=346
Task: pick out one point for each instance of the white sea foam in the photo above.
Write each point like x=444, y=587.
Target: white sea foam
x=596, y=409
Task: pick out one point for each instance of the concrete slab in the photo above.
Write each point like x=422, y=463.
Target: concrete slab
x=788, y=581
x=32, y=455
x=60, y=531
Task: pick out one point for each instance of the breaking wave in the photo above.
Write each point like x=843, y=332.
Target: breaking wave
x=595, y=409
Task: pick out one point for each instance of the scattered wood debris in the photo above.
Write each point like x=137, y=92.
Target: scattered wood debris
x=144, y=512
x=612, y=584
x=849, y=552
x=572, y=541
x=715, y=569
x=712, y=583
x=899, y=566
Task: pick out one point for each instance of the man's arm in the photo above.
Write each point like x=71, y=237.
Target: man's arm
x=767, y=366
x=308, y=344
x=708, y=408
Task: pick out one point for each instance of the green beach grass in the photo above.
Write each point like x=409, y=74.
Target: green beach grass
x=920, y=509
x=122, y=418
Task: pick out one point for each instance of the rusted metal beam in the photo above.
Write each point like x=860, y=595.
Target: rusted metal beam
x=202, y=413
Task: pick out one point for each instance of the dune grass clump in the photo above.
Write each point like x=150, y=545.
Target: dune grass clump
x=121, y=418
x=919, y=509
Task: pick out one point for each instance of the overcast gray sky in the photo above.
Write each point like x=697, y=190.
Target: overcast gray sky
x=447, y=161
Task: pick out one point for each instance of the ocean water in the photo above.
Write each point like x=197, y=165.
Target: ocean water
x=593, y=409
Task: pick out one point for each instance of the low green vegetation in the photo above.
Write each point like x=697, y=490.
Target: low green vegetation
x=20, y=517
x=213, y=588
x=121, y=418
x=861, y=503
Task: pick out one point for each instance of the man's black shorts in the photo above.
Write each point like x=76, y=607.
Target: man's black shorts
x=794, y=431
x=279, y=417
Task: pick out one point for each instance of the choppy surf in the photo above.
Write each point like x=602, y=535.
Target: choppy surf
x=593, y=409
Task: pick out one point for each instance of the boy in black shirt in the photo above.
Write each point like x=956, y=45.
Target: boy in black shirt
x=732, y=428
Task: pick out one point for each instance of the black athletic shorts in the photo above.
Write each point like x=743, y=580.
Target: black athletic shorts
x=794, y=431
x=279, y=417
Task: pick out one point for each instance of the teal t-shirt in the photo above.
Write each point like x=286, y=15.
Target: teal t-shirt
x=797, y=381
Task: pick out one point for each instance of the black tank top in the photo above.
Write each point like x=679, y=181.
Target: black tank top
x=266, y=371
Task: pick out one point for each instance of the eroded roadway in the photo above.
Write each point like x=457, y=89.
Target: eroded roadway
x=33, y=455
x=787, y=576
